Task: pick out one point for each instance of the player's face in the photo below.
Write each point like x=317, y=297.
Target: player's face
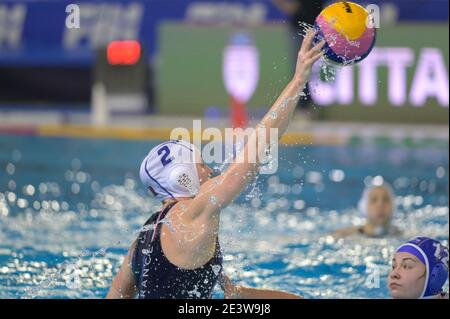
x=380, y=206
x=407, y=277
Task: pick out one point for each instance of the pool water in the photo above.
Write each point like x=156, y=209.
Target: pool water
x=70, y=208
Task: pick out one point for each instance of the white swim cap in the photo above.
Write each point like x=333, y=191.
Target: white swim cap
x=364, y=201
x=169, y=170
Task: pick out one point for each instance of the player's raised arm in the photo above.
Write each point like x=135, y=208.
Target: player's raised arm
x=220, y=191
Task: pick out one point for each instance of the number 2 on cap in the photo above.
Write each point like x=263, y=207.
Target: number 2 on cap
x=164, y=159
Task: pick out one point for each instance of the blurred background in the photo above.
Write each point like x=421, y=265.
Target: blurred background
x=83, y=100
x=176, y=65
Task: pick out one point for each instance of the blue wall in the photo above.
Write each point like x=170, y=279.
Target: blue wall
x=39, y=37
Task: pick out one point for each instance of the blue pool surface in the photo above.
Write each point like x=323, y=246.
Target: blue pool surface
x=70, y=208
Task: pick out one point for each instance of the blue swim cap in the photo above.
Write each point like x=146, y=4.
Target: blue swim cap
x=434, y=256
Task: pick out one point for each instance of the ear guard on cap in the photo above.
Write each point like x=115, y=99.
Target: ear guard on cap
x=438, y=277
x=439, y=272
x=183, y=179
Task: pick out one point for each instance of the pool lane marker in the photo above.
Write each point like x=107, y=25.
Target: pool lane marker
x=290, y=138
x=158, y=134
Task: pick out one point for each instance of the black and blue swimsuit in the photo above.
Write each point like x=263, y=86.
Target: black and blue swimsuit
x=157, y=278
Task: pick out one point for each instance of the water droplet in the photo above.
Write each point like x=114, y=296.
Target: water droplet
x=28, y=190
x=216, y=269
x=273, y=115
x=36, y=205
x=337, y=175
x=166, y=221
x=95, y=186
x=378, y=180
x=440, y=172
x=43, y=188
x=12, y=185
x=81, y=177
x=11, y=197
x=16, y=155
x=10, y=168
x=75, y=188
x=22, y=203
x=75, y=164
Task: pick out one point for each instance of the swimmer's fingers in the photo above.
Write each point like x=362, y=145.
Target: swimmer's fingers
x=307, y=42
x=317, y=48
x=315, y=53
x=307, y=56
x=316, y=57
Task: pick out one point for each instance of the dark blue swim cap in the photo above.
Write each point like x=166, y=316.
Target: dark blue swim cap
x=434, y=256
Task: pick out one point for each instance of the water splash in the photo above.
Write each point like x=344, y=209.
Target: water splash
x=279, y=242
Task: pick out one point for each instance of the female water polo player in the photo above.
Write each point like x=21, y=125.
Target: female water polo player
x=177, y=254
x=419, y=270
x=377, y=205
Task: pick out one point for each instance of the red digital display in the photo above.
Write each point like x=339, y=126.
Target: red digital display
x=123, y=52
